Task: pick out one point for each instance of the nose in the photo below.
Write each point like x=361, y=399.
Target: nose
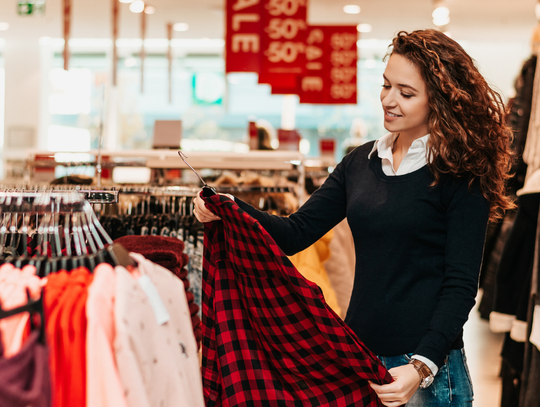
x=388, y=98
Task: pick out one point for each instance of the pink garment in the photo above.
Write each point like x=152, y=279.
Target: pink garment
x=158, y=362
x=13, y=286
x=103, y=385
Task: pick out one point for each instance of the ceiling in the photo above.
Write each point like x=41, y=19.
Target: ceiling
x=471, y=20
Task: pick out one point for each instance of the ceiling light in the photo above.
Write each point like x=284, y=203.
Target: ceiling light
x=4, y=26
x=137, y=6
x=441, y=21
x=125, y=1
x=180, y=27
x=149, y=10
x=441, y=16
x=440, y=12
x=364, y=28
x=351, y=9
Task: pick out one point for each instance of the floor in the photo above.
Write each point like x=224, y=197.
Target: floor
x=483, y=348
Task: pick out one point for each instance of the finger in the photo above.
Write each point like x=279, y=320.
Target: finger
x=205, y=216
x=202, y=212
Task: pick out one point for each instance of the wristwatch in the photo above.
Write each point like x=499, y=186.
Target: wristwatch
x=426, y=377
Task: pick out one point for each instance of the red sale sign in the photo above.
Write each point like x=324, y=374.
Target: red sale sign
x=331, y=57
x=243, y=35
x=283, y=43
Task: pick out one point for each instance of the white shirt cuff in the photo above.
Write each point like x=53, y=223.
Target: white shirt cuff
x=432, y=366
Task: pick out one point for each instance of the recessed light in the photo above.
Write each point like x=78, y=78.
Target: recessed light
x=441, y=21
x=180, y=27
x=149, y=10
x=351, y=9
x=125, y=1
x=137, y=6
x=4, y=26
x=440, y=12
x=364, y=28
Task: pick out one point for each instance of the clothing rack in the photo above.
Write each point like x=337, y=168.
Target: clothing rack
x=53, y=230
x=168, y=159
x=92, y=196
x=53, y=250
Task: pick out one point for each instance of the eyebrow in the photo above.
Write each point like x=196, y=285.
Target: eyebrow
x=402, y=85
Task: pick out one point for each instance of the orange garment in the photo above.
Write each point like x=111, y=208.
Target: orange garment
x=56, y=283
x=310, y=263
x=66, y=330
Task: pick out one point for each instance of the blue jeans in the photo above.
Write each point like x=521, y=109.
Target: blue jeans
x=452, y=386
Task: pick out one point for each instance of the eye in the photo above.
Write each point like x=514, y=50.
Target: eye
x=386, y=86
x=406, y=96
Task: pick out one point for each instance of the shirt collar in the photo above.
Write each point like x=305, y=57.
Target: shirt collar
x=384, y=145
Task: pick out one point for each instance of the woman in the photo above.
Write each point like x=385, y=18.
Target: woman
x=418, y=201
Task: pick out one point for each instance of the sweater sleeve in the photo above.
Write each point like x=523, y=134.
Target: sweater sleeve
x=323, y=210
x=467, y=215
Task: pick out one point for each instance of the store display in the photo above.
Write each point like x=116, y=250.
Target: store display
x=103, y=292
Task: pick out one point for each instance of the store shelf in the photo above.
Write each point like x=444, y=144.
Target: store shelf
x=254, y=160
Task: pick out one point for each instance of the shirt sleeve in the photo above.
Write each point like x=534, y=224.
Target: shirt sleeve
x=432, y=366
x=467, y=215
x=323, y=210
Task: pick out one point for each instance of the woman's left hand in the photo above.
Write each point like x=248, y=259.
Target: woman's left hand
x=397, y=393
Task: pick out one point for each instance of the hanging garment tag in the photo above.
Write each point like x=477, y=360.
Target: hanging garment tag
x=160, y=311
x=535, y=330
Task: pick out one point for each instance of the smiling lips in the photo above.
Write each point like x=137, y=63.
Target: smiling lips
x=391, y=116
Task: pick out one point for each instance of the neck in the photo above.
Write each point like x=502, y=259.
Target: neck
x=403, y=141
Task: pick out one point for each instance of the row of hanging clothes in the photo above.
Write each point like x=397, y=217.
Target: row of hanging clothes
x=151, y=220
x=85, y=321
x=167, y=212
x=510, y=269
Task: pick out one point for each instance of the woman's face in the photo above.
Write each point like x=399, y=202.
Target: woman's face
x=404, y=99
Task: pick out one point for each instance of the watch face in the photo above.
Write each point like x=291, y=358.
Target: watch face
x=427, y=382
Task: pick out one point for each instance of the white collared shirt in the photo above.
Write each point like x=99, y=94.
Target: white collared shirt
x=415, y=158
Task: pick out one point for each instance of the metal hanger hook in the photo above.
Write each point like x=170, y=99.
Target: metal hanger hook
x=183, y=157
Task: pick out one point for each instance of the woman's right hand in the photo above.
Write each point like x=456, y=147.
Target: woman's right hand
x=201, y=212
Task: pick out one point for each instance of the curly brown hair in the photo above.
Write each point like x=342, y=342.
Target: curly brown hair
x=467, y=123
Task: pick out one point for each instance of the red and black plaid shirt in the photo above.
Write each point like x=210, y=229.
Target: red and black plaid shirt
x=269, y=339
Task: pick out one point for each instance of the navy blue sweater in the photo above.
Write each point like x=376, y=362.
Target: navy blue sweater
x=418, y=251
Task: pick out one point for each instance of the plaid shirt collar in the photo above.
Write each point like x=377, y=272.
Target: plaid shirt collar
x=269, y=339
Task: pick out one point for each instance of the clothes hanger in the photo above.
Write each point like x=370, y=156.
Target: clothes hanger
x=206, y=189
x=100, y=251
x=118, y=254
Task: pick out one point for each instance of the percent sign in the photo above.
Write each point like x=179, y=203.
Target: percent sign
x=285, y=28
